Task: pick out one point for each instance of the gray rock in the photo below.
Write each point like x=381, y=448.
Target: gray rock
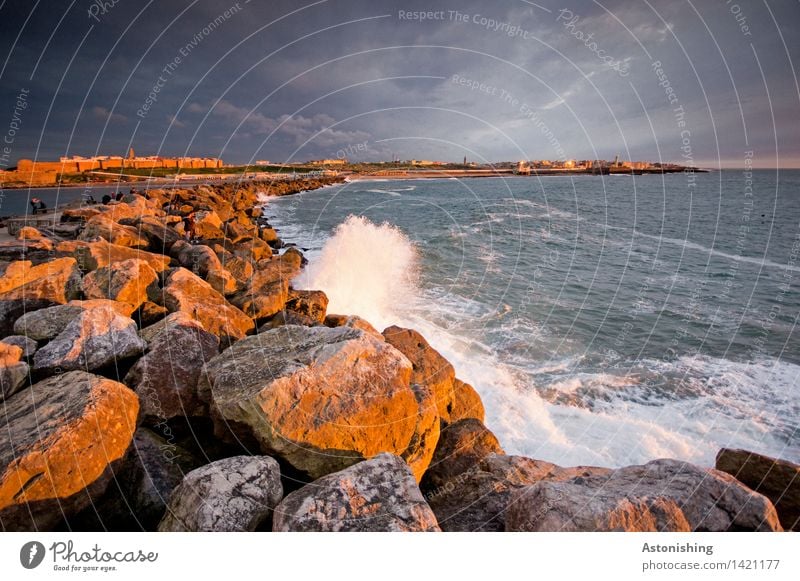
x=13, y=372
x=95, y=338
x=663, y=495
x=778, y=480
x=166, y=377
x=478, y=498
x=233, y=494
x=376, y=495
x=44, y=324
x=27, y=345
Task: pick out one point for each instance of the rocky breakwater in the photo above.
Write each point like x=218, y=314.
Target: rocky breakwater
x=159, y=379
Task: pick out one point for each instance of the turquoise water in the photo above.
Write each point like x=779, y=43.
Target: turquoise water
x=604, y=319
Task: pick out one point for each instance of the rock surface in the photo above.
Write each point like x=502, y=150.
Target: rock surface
x=27, y=345
x=131, y=281
x=184, y=291
x=462, y=446
x=100, y=253
x=663, y=495
x=25, y=287
x=94, y=339
x=44, y=324
x=376, y=495
x=233, y=494
x=320, y=398
x=478, y=499
x=466, y=403
x=104, y=226
x=310, y=303
x=778, y=480
x=166, y=377
x=430, y=368
x=63, y=435
x=13, y=371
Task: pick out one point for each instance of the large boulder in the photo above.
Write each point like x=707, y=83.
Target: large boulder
x=166, y=377
x=13, y=371
x=94, y=339
x=131, y=281
x=466, y=402
x=778, y=480
x=44, y=324
x=185, y=291
x=462, y=446
x=376, y=495
x=229, y=495
x=203, y=261
x=663, y=495
x=25, y=287
x=98, y=253
x=352, y=322
x=322, y=399
x=103, y=226
x=62, y=438
x=478, y=499
x=430, y=368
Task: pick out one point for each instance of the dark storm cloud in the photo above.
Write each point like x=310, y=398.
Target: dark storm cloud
x=493, y=81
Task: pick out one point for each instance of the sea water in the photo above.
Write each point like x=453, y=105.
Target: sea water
x=604, y=320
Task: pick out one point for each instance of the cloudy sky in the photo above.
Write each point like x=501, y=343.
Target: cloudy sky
x=674, y=80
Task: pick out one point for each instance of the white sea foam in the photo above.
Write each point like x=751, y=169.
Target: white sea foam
x=370, y=270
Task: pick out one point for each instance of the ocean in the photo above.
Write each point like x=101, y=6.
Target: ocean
x=605, y=320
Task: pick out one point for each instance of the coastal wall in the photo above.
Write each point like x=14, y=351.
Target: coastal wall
x=160, y=372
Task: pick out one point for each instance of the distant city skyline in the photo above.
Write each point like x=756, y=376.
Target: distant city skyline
x=677, y=82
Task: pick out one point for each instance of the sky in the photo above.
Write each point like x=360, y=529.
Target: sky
x=712, y=84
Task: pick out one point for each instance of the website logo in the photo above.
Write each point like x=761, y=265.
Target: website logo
x=31, y=554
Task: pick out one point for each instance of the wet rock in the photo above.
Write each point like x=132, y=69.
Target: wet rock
x=462, y=446
x=92, y=340
x=478, y=499
x=165, y=379
x=352, y=322
x=131, y=281
x=430, y=368
x=663, y=495
x=233, y=494
x=466, y=402
x=310, y=303
x=376, y=495
x=184, y=291
x=25, y=287
x=63, y=436
x=776, y=479
x=322, y=399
